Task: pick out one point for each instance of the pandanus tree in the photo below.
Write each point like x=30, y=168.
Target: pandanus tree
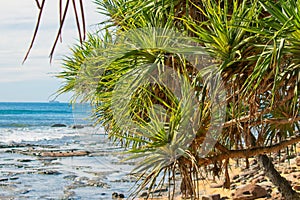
x=185, y=86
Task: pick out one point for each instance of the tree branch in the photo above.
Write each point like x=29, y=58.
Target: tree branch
x=281, y=121
x=249, y=152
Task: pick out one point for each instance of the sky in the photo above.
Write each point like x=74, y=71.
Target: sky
x=34, y=80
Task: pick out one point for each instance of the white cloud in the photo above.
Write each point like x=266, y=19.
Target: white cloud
x=17, y=21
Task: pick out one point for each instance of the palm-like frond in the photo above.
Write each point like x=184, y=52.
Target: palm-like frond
x=153, y=97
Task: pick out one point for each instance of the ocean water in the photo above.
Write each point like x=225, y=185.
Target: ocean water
x=32, y=121
x=28, y=127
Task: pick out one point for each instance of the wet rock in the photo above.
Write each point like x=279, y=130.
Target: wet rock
x=68, y=194
x=117, y=196
x=13, y=178
x=58, y=125
x=46, y=159
x=114, y=195
x=24, y=160
x=249, y=192
x=49, y=172
x=80, y=179
x=70, y=177
x=77, y=126
x=24, y=191
x=97, y=183
x=3, y=179
x=64, y=153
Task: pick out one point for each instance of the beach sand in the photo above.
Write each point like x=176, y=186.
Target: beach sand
x=240, y=177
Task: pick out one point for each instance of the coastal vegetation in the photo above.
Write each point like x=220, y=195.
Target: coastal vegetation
x=187, y=86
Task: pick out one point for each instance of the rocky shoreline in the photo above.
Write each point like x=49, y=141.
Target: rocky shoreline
x=77, y=167
x=250, y=183
x=88, y=166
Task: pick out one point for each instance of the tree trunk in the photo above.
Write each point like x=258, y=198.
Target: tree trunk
x=280, y=182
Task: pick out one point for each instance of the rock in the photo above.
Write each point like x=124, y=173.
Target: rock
x=70, y=177
x=59, y=125
x=291, y=156
x=249, y=192
x=296, y=187
x=235, y=177
x=253, y=162
x=97, y=183
x=117, y=196
x=24, y=191
x=50, y=172
x=3, y=179
x=14, y=178
x=214, y=185
x=232, y=186
x=212, y=197
x=64, y=153
x=249, y=172
x=160, y=190
x=144, y=194
x=77, y=126
x=68, y=194
x=255, y=168
x=24, y=160
x=298, y=161
x=297, y=176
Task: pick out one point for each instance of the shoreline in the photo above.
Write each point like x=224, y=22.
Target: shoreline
x=86, y=164
x=73, y=167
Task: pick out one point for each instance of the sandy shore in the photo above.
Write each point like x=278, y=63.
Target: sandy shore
x=241, y=177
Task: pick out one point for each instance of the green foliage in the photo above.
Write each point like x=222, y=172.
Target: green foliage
x=124, y=74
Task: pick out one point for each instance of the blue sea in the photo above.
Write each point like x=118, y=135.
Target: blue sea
x=23, y=121
x=27, y=127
